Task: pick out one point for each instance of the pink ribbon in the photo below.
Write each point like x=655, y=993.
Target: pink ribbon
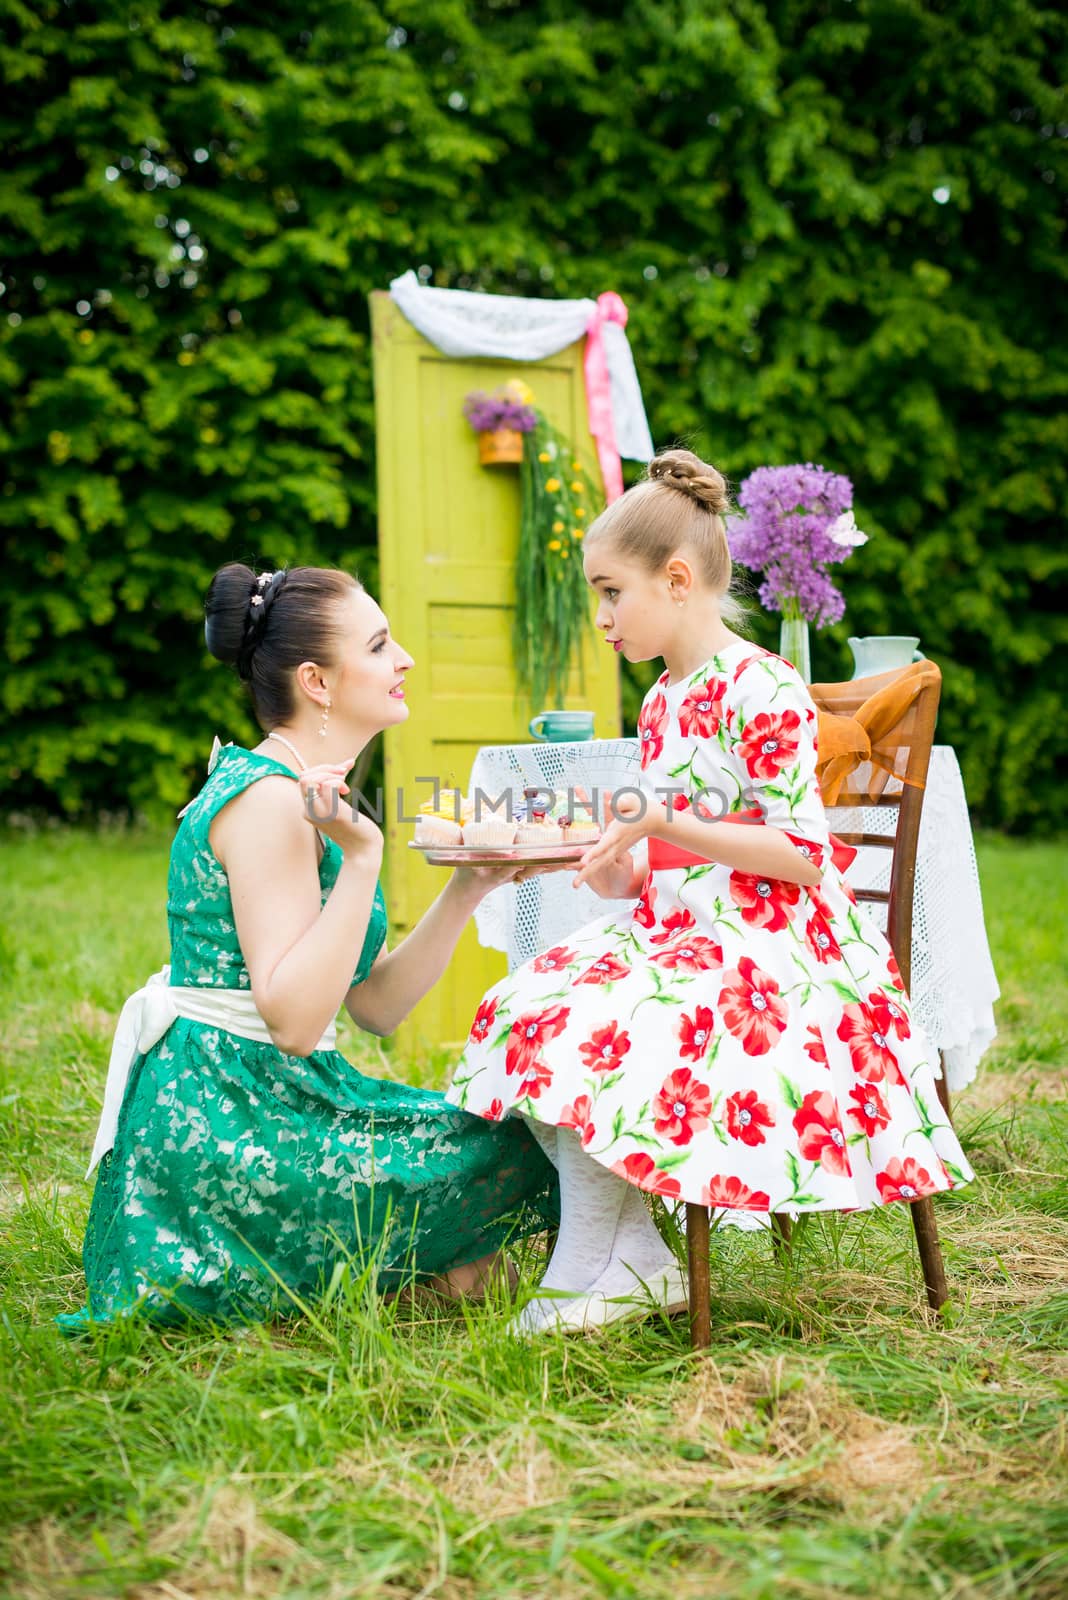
x=610, y=308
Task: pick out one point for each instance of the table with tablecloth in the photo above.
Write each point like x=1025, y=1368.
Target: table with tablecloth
x=954, y=986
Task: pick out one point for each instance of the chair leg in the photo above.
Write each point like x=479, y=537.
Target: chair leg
x=942, y=1088
x=700, y=1286
x=934, y=1272
x=782, y=1231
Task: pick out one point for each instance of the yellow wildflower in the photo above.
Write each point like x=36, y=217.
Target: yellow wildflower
x=554, y=544
x=579, y=512
x=563, y=555
x=543, y=455
x=576, y=533
x=86, y=336
x=576, y=488
x=185, y=358
x=552, y=485
x=558, y=527
x=209, y=436
x=576, y=466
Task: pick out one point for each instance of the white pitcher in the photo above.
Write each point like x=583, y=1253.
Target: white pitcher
x=882, y=652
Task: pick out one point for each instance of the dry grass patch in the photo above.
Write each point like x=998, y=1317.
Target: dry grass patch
x=806, y=1434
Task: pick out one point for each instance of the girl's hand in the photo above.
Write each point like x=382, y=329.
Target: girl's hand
x=321, y=789
x=607, y=865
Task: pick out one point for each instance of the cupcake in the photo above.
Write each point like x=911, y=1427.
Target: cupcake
x=538, y=833
x=492, y=833
x=582, y=832
x=450, y=804
x=436, y=830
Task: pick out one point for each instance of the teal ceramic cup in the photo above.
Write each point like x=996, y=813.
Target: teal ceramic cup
x=561, y=727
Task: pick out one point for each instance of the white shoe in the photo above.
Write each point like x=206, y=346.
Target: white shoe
x=621, y=1293
x=543, y=1314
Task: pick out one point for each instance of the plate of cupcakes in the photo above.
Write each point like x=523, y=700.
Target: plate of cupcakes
x=450, y=832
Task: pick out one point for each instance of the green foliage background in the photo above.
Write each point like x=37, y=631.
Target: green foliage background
x=839, y=227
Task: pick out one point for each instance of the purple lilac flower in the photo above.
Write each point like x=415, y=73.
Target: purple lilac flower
x=789, y=511
x=488, y=412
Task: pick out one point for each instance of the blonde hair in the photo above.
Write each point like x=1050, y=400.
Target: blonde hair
x=681, y=501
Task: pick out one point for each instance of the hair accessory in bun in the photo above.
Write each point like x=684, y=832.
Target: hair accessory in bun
x=266, y=592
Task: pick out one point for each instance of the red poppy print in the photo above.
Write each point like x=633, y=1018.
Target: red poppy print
x=904, y=1180
x=819, y=936
x=746, y=661
x=869, y=1111
x=695, y=1033
x=529, y=1032
x=537, y=1075
x=652, y=725
x=752, y=1008
x=732, y=1192
x=484, y=1020
x=642, y=1170
x=696, y=954
x=819, y=1133
x=494, y=1111
x=769, y=743
x=606, y=969
x=676, y=922
x=605, y=1048
x=701, y=712
x=578, y=1117
x=895, y=972
x=645, y=910
x=805, y=847
x=554, y=960
x=889, y=1014
x=764, y=902
x=682, y=1107
x=747, y=1117
x=815, y=1048
x=864, y=1029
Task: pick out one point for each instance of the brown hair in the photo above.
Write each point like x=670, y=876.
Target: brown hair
x=266, y=626
x=682, y=501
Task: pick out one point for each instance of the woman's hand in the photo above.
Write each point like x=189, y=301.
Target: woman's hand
x=607, y=866
x=321, y=789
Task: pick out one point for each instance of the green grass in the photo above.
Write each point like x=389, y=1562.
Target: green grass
x=836, y=1441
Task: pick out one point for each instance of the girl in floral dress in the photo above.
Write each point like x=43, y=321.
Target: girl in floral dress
x=742, y=1038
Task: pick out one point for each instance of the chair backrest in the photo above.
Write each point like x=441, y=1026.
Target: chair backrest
x=897, y=778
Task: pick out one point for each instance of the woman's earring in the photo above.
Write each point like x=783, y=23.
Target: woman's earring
x=326, y=713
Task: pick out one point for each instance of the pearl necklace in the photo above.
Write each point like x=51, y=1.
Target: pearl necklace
x=302, y=765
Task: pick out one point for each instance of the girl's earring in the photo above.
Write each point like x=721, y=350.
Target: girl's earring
x=322, y=725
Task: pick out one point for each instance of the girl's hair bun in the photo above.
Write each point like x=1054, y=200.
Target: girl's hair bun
x=227, y=607
x=682, y=470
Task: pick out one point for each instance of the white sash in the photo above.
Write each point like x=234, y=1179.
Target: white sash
x=148, y=1014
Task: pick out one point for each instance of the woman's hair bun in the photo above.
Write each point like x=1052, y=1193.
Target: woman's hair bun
x=227, y=610
x=682, y=470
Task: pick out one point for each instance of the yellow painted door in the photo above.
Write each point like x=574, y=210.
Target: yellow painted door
x=448, y=537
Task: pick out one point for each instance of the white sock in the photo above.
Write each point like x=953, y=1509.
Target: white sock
x=546, y=1137
x=591, y=1200
x=637, y=1243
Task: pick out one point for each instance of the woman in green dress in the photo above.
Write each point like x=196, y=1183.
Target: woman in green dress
x=243, y=1158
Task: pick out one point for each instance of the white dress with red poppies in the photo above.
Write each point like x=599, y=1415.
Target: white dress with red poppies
x=737, y=1040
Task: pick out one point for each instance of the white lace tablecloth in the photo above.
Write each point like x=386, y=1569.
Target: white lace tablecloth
x=953, y=982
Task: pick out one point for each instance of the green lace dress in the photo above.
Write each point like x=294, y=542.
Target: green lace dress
x=240, y=1177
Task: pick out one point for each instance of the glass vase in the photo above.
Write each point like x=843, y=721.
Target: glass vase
x=793, y=643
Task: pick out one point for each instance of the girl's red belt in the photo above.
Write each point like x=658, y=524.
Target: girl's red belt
x=665, y=857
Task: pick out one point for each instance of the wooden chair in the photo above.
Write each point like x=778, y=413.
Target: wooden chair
x=895, y=777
